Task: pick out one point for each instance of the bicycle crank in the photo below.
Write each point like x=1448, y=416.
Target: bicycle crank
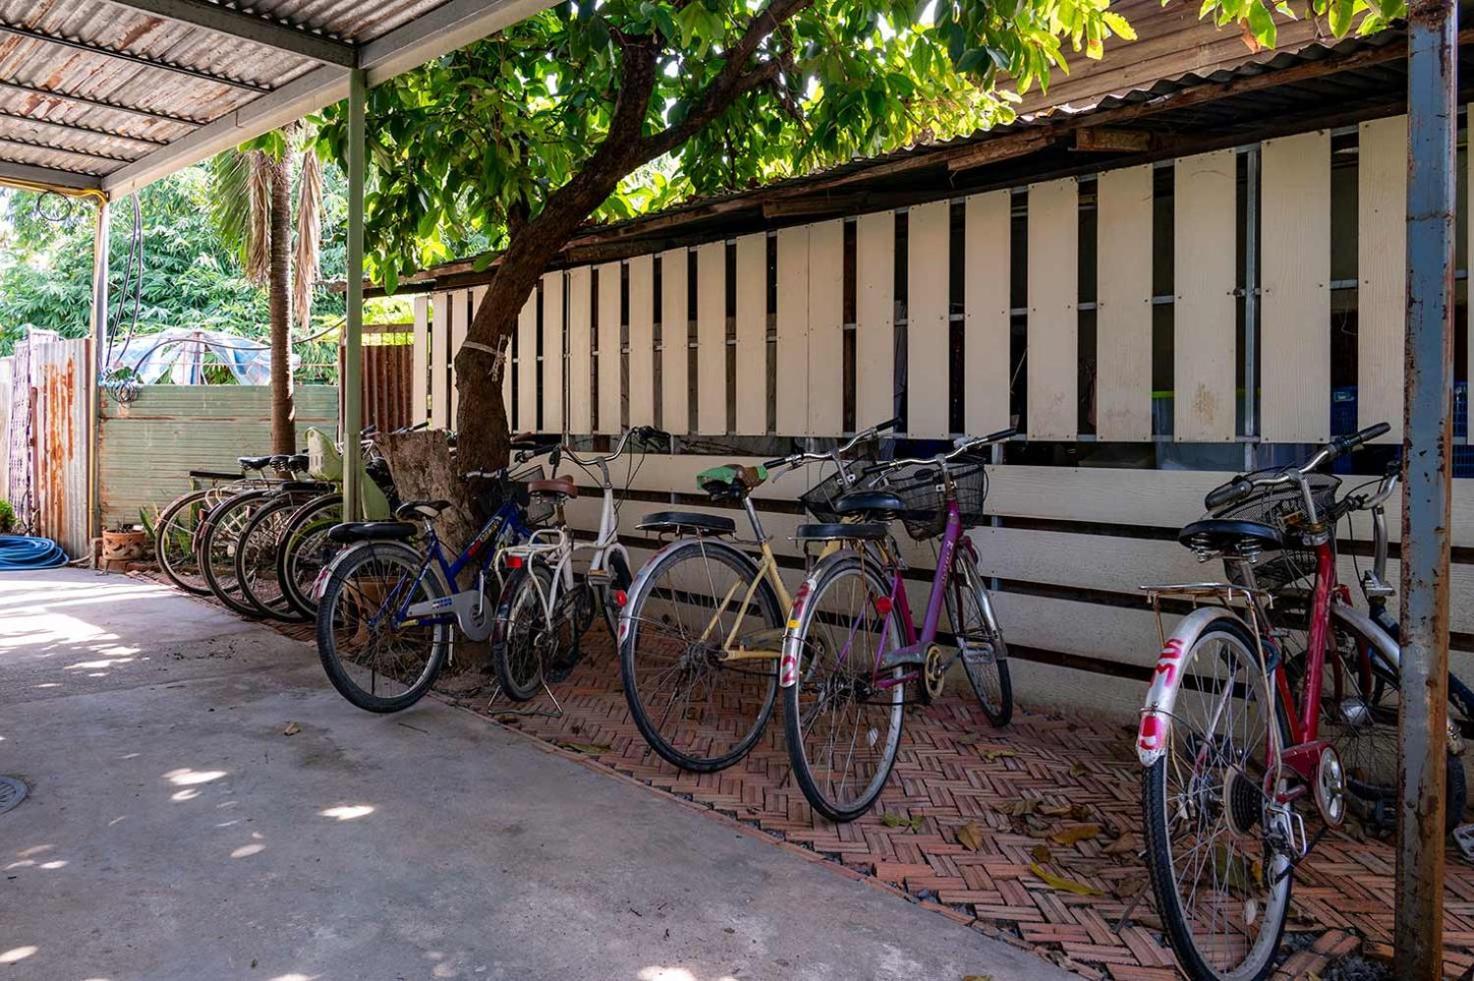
x=933, y=672
x=1330, y=788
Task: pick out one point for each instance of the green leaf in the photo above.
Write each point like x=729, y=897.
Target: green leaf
x=1261, y=23
x=1340, y=16
x=1118, y=25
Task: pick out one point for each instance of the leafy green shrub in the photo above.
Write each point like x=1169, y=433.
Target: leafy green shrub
x=7, y=517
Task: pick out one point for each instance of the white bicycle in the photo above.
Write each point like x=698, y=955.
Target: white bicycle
x=545, y=605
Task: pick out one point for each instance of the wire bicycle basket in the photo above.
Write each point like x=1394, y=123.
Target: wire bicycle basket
x=923, y=494
x=1283, y=508
x=819, y=500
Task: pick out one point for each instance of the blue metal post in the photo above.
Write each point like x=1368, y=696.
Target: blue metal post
x=1427, y=455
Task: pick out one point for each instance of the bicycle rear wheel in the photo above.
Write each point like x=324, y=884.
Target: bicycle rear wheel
x=305, y=551
x=1214, y=843
x=844, y=714
x=527, y=640
x=979, y=639
x=174, y=541
x=372, y=656
x=218, y=541
x=698, y=708
x=256, y=559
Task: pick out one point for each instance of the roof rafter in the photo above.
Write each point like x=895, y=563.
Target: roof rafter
x=30, y=176
x=11, y=140
x=250, y=27
x=83, y=100
x=136, y=59
x=77, y=127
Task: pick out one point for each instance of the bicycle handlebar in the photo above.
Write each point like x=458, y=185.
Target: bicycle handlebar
x=795, y=459
x=1241, y=486
x=962, y=446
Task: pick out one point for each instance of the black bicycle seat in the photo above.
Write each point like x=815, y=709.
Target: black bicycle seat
x=254, y=462
x=420, y=509
x=371, y=531
x=1230, y=536
x=867, y=531
x=692, y=521
x=871, y=503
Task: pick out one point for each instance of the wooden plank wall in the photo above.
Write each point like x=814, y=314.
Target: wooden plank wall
x=1123, y=321
x=1381, y=237
x=1204, y=309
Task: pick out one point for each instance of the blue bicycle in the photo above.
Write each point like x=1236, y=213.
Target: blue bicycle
x=388, y=611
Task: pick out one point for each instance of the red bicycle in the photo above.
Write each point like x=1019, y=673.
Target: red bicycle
x=1275, y=689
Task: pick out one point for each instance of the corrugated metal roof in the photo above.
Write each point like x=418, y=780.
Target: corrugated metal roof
x=90, y=86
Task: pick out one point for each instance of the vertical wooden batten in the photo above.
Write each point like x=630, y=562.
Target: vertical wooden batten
x=419, y=383
x=674, y=343
x=440, y=360
x=527, y=367
x=927, y=337
x=875, y=318
x=793, y=331
x=1295, y=331
x=580, y=351
x=752, y=334
x=1381, y=248
x=711, y=338
x=1054, y=327
x=1123, y=321
x=554, y=382
x=608, y=363
x=826, y=329
x=987, y=238
x=460, y=317
x=1205, y=342
x=642, y=341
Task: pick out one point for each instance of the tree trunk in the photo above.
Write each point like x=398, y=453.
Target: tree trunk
x=283, y=432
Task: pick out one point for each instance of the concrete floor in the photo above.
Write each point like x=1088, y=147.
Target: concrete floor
x=174, y=831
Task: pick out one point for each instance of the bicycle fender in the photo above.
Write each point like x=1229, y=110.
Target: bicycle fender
x=1363, y=625
x=788, y=665
x=1156, y=714
x=642, y=578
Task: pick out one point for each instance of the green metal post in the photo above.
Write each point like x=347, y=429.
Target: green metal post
x=352, y=380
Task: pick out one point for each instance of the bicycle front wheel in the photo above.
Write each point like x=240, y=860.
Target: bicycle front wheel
x=218, y=541
x=174, y=541
x=699, y=702
x=372, y=655
x=1215, y=842
x=306, y=550
x=843, y=716
x=528, y=639
x=255, y=559
x=979, y=639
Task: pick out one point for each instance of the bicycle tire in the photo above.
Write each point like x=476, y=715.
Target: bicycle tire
x=1260, y=960
x=990, y=679
x=185, y=508
x=262, y=534
x=218, y=540
x=345, y=590
x=619, y=582
x=651, y=719
x=297, y=566
x=521, y=621
x=827, y=577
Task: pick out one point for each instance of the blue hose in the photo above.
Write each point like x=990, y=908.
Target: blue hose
x=19, y=552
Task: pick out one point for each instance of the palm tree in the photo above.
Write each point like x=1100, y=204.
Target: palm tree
x=253, y=210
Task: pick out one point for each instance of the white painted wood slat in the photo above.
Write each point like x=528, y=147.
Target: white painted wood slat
x=527, y=366
x=875, y=312
x=793, y=331
x=1295, y=329
x=460, y=303
x=1123, y=321
x=752, y=334
x=711, y=338
x=987, y=254
x=552, y=364
x=580, y=351
x=608, y=365
x=928, y=246
x=674, y=343
x=419, y=386
x=1054, y=319
x=1205, y=336
x=440, y=361
x=826, y=329
x=642, y=341
x=1381, y=265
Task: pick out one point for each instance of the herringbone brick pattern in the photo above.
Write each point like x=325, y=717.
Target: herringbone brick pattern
x=1030, y=833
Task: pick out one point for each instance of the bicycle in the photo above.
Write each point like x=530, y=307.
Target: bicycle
x=699, y=638
x=1230, y=737
x=852, y=647
x=390, y=610
x=178, y=524
x=544, y=608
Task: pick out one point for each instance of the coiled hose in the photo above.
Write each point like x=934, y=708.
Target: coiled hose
x=19, y=552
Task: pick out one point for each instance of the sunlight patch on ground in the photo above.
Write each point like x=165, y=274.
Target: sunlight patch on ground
x=347, y=812
x=246, y=851
x=188, y=778
x=16, y=954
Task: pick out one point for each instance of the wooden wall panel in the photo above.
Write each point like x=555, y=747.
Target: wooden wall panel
x=439, y=361
x=1381, y=250
x=1205, y=342
x=608, y=364
x=478, y=293
x=987, y=251
x=1123, y=320
x=1295, y=325
x=711, y=338
x=826, y=329
x=527, y=366
x=460, y=318
x=1054, y=318
x=793, y=331
x=580, y=351
x=928, y=247
x=642, y=341
x=752, y=334
x=875, y=313
x=554, y=383
x=419, y=385
x=674, y=343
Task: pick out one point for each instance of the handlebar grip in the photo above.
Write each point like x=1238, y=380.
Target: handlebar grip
x=770, y=464
x=891, y=423
x=1232, y=492
x=1346, y=444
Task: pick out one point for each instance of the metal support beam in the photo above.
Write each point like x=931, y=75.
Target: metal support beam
x=133, y=59
x=29, y=176
x=101, y=239
x=249, y=27
x=352, y=379
x=1427, y=485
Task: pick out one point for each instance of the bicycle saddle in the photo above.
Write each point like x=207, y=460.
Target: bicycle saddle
x=1229, y=536
x=420, y=509
x=558, y=485
x=254, y=462
x=873, y=503
x=731, y=482
x=371, y=531
x=695, y=522
x=867, y=531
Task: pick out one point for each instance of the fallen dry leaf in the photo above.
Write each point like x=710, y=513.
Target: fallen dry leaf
x=977, y=977
x=292, y=729
x=589, y=749
x=1124, y=845
x=1061, y=883
x=1019, y=808
x=1041, y=854
x=970, y=835
x=1079, y=833
x=891, y=820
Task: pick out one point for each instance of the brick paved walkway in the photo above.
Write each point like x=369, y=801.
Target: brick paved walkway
x=1047, y=798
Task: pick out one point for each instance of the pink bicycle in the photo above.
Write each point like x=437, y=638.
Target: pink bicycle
x=852, y=648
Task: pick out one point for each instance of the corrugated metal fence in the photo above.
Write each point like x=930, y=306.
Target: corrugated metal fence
x=386, y=377
x=149, y=445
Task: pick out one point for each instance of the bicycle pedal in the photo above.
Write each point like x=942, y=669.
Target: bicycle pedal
x=1464, y=838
